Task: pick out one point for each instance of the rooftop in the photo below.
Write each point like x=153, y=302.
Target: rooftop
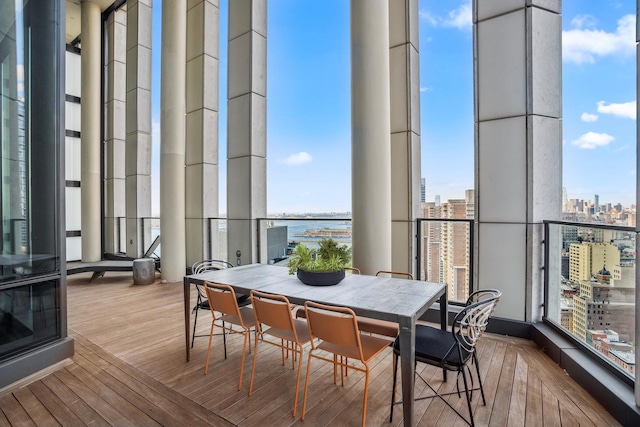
x=129, y=369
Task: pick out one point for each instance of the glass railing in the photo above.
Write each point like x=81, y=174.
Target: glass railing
x=122, y=235
x=590, y=286
x=279, y=236
x=217, y=238
x=150, y=232
x=445, y=254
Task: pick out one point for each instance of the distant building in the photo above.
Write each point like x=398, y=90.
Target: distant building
x=432, y=243
x=601, y=305
x=446, y=245
x=585, y=259
x=566, y=314
x=620, y=353
x=423, y=191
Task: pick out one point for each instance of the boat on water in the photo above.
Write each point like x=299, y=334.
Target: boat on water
x=334, y=233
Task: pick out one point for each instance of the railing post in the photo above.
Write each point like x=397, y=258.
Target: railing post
x=418, y=250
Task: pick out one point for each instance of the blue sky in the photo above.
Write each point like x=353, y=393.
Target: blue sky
x=308, y=102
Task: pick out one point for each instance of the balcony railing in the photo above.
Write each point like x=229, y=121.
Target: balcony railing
x=445, y=254
x=445, y=246
x=590, y=287
x=279, y=236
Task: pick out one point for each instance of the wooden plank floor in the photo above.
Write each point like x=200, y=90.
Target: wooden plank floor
x=129, y=369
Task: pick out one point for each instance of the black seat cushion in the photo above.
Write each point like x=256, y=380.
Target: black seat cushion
x=432, y=345
x=243, y=300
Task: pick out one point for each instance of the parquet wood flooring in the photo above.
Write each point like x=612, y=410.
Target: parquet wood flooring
x=129, y=369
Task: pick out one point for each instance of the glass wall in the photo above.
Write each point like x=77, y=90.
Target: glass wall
x=591, y=288
x=29, y=171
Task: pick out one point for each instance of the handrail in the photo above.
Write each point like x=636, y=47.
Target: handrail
x=592, y=225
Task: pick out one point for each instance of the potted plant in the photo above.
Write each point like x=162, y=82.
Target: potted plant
x=321, y=267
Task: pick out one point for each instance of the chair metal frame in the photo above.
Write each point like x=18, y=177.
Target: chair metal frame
x=222, y=299
x=352, y=270
x=466, y=329
x=202, y=303
x=274, y=311
x=408, y=276
x=337, y=328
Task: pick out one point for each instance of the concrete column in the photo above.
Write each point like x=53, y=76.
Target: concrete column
x=115, y=131
x=138, y=125
x=404, y=58
x=518, y=161
x=172, y=148
x=246, y=127
x=370, y=136
x=91, y=23
x=203, y=31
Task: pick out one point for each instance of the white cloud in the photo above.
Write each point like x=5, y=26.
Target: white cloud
x=584, y=43
x=592, y=140
x=426, y=16
x=298, y=159
x=460, y=18
x=584, y=21
x=586, y=117
x=626, y=110
x=424, y=89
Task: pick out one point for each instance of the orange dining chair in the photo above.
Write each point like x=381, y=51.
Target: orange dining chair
x=222, y=299
x=383, y=327
x=395, y=273
x=274, y=311
x=352, y=270
x=337, y=328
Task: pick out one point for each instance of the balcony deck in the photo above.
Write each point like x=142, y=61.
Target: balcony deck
x=129, y=369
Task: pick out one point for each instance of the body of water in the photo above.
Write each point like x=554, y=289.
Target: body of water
x=295, y=230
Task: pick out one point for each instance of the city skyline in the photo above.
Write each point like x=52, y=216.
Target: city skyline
x=308, y=103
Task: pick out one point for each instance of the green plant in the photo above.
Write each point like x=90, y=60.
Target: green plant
x=328, y=258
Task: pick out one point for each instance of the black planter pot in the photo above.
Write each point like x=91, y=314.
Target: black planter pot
x=320, y=279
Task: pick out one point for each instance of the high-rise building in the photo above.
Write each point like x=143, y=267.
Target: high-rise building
x=432, y=243
x=447, y=243
x=586, y=259
x=602, y=305
x=596, y=203
x=423, y=191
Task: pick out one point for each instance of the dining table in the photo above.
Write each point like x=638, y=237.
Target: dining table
x=386, y=298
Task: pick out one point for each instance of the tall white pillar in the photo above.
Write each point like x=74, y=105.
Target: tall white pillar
x=172, y=148
x=115, y=132
x=247, y=129
x=91, y=23
x=138, y=124
x=203, y=31
x=404, y=58
x=518, y=161
x=370, y=136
